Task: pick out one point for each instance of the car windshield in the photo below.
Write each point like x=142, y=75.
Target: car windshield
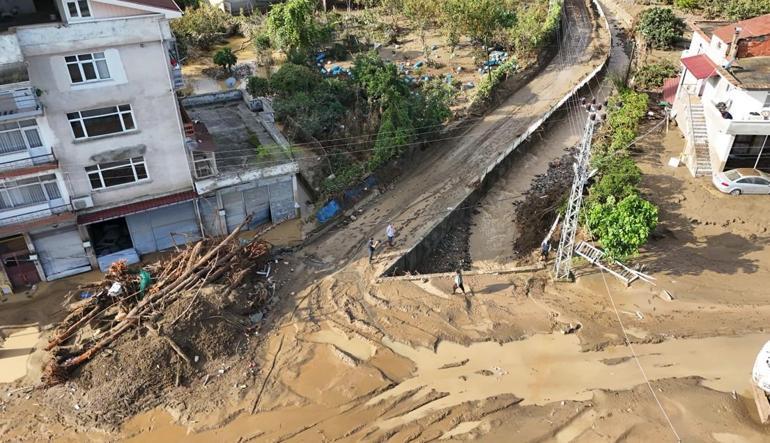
x=732, y=175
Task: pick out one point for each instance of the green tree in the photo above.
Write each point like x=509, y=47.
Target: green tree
x=264, y=51
x=421, y=14
x=652, y=75
x=291, y=78
x=292, y=26
x=203, y=26
x=661, y=27
x=619, y=177
x=623, y=227
x=226, y=59
x=257, y=86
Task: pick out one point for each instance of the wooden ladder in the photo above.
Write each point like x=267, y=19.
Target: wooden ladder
x=595, y=256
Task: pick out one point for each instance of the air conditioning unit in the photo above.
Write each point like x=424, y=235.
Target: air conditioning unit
x=82, y=203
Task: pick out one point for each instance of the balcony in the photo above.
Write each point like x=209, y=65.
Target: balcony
x=20, y=220
x=18, y=102
x=28, y=165
x=742, y=122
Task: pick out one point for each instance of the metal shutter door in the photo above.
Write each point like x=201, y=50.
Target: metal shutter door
x=282, y=201
x=212, y=227
x=175, y=225
x=61, y=253
x=235, y=212
x=258, y=205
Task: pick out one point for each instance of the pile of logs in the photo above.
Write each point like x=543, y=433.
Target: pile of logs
x=116, y=311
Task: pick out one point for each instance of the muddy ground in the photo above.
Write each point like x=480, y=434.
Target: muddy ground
x=350, y=359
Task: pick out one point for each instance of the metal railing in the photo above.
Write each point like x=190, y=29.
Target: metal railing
x=18, y=103
x=34, y=215
x=29, y=162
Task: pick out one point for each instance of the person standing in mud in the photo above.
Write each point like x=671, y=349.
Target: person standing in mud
x=545, y=248
x=390, y=232
x=458, y=284
x=371, y=245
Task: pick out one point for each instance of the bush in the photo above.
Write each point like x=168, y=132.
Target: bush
x=226, y=59
x=618, y=178
x=661, y=27
x=292, y=26
x=203, y=26
x=292, y=78
x=626, y=111
x=257, y=86
x=624, y=227
x=490, y=81
x=687, y=5
x=653, y=75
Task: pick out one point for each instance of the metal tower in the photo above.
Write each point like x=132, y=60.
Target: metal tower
x=563, y=265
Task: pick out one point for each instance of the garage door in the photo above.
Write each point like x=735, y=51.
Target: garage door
x=61, y=253
x=257, y=202
x=235, y=211
x=164, y=228
x=282, y=201
x=212, y=226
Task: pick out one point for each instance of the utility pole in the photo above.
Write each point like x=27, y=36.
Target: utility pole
x=563, y=266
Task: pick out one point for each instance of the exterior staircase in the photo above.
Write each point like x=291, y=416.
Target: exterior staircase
x=700, y=140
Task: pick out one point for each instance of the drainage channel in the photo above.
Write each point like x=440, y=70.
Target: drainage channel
x=479, y=232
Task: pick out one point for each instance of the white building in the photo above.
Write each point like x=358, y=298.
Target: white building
x=722, y=101
x=93, y=163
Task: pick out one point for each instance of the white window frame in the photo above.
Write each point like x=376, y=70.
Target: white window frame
x=22, y=127
x=77, y=117
x=81, y=59
x=42, y=180
x=132, y=162
x=76, y=3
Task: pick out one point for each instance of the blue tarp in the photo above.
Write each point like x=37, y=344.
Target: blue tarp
x=330, y=210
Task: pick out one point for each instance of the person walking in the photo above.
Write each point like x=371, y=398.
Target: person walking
x=390, y=232
x=545, y=248
x=458, y=284
x=371, y=245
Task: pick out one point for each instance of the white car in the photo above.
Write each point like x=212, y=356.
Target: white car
x=742, y=181
x=761, y=372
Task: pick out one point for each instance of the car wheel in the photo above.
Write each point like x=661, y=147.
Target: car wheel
x=735, y=192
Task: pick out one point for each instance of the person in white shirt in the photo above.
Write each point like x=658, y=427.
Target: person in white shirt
x=458, y=282
x=391, y=233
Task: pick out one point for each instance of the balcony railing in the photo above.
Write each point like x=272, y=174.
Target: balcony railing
x=740, y=123
x=37, y=214
x=19, y=102
x=31, y=162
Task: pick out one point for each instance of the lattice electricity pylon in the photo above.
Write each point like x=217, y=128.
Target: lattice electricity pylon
x=563, y=265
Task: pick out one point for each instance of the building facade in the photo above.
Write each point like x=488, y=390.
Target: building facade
x=92, y=155
x=722, y=102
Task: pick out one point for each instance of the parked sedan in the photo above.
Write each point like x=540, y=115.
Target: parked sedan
x=742, y=181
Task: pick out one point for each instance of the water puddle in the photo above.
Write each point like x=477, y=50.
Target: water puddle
x=548, y=368
x=15, y=352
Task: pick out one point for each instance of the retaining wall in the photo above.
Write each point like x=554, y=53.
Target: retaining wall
x=423, y=248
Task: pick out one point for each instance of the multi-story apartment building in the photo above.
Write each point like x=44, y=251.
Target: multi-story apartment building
x=93, y=163
x=722, y=101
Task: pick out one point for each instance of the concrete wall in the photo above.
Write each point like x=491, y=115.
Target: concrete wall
x=10, y=51
x=102, y=10
x=141, y=78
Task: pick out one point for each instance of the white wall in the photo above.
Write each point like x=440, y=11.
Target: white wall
x=144, y=83
x=102, y=10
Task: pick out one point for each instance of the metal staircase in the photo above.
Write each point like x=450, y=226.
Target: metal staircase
x=595, y=256
x=699, y=139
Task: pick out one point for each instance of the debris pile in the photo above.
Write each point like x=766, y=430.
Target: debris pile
x=160, y=301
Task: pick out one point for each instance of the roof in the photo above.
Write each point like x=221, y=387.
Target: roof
x=752, y=73
x=133, y=208
x=161, y=4
x=707, y=27
x=753, y=27
x=670, y=85
x=700, y=66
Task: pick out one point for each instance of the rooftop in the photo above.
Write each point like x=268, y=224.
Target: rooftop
x=749, y=73
x=753, y=27
x=235, y=134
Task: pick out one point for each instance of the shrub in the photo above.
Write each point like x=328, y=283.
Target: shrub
x=626, y=111
x=203, y=26
x=292, y=26
x=618, y=178
x=488, y=83
x=226, y=59
x=661, y=27
x=653, y=75
x=292, y=78
x=257, y=86
x=623, y=227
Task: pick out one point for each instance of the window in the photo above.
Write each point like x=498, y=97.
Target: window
x=78, y=8
x=18, y=136
x=29, y=191
x=101, y=121
x=106, y=175
x=85, y=68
